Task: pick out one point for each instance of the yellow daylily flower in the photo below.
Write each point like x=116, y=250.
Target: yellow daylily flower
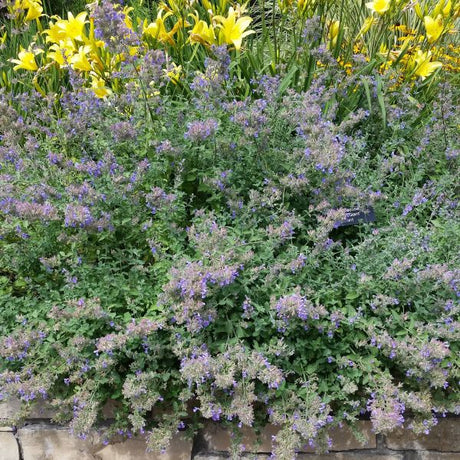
x=54, y=34
x=16, y=8
x=128, y=20
x=240, y=10
x=99, y=88
x=91, y=38
x=157, y=29
x=26, y=60
x=418, y=11
x=443, y=7
x=302, y=5
x=175, y=6
x=219, y=7
x=57, y=55
x=3, y=38
x=284, y=5
x=202, y=32
x=383, y=50
x=433, y=27
x=207, y=4
x=62, y=52
x=34, y=10
x=73, y=27
x=424, y=68
x=79, y=61
x=334, y=29
x=367, y=24
x=233, y=30
x=379, y=6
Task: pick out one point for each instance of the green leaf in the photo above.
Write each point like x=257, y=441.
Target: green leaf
x=381, y=101
x=352, y=295
x=286, y=82
x=368, y=93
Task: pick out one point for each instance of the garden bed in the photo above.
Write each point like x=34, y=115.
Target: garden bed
x=204, y=222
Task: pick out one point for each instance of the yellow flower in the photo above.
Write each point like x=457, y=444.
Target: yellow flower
x=234, y=30
x=62, y=52
x=3, y=38
x=389, y=55
x=383, y=50
x=128, y=20
x=334, y=29
x=434, y=27
x=99, y=88
x=207, y=4
x=424, y=68
x=54, y=34
x=379, y=6
x=403, y=29
x=79, y=61
x=202, y=32
x=91, y=38
x=220, y=6
x=133, y=50
x=157, y=29
x=303, y=4
x=367, y=24
x=26, y=60
x=74, y=27
x=15, y=9
x=346, y=65
x=174, y=74
x=418, y=10
x=443, y=7
x=177, y=7
x=34, y=10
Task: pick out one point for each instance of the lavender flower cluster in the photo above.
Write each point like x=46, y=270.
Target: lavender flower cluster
x=191, y=253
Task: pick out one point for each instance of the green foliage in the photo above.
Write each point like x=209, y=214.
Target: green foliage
x=61, y=7
x=182, y=251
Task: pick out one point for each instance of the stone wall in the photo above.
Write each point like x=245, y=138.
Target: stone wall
x=38, y=439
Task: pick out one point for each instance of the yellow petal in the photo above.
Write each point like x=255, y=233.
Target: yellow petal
x=424, y=68
x=433, y=27
x=99, y=88
x=34, y=11
x=379, y=6
x=80, y=60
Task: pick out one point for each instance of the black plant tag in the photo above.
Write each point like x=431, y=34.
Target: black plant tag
x=357, y=216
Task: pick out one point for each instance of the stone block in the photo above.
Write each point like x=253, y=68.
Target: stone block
x=344, y=439
x=352, y=456
x=6, y=428
x=218, y=439
x=331, y=456
x=225, y=456
x=426, y=455
x=41, y=410
x=135, y=449
x=210, y=457
x=444, y=437
x=44, y=442
x=9, y=409
x=110, y=408
x=8, y=447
